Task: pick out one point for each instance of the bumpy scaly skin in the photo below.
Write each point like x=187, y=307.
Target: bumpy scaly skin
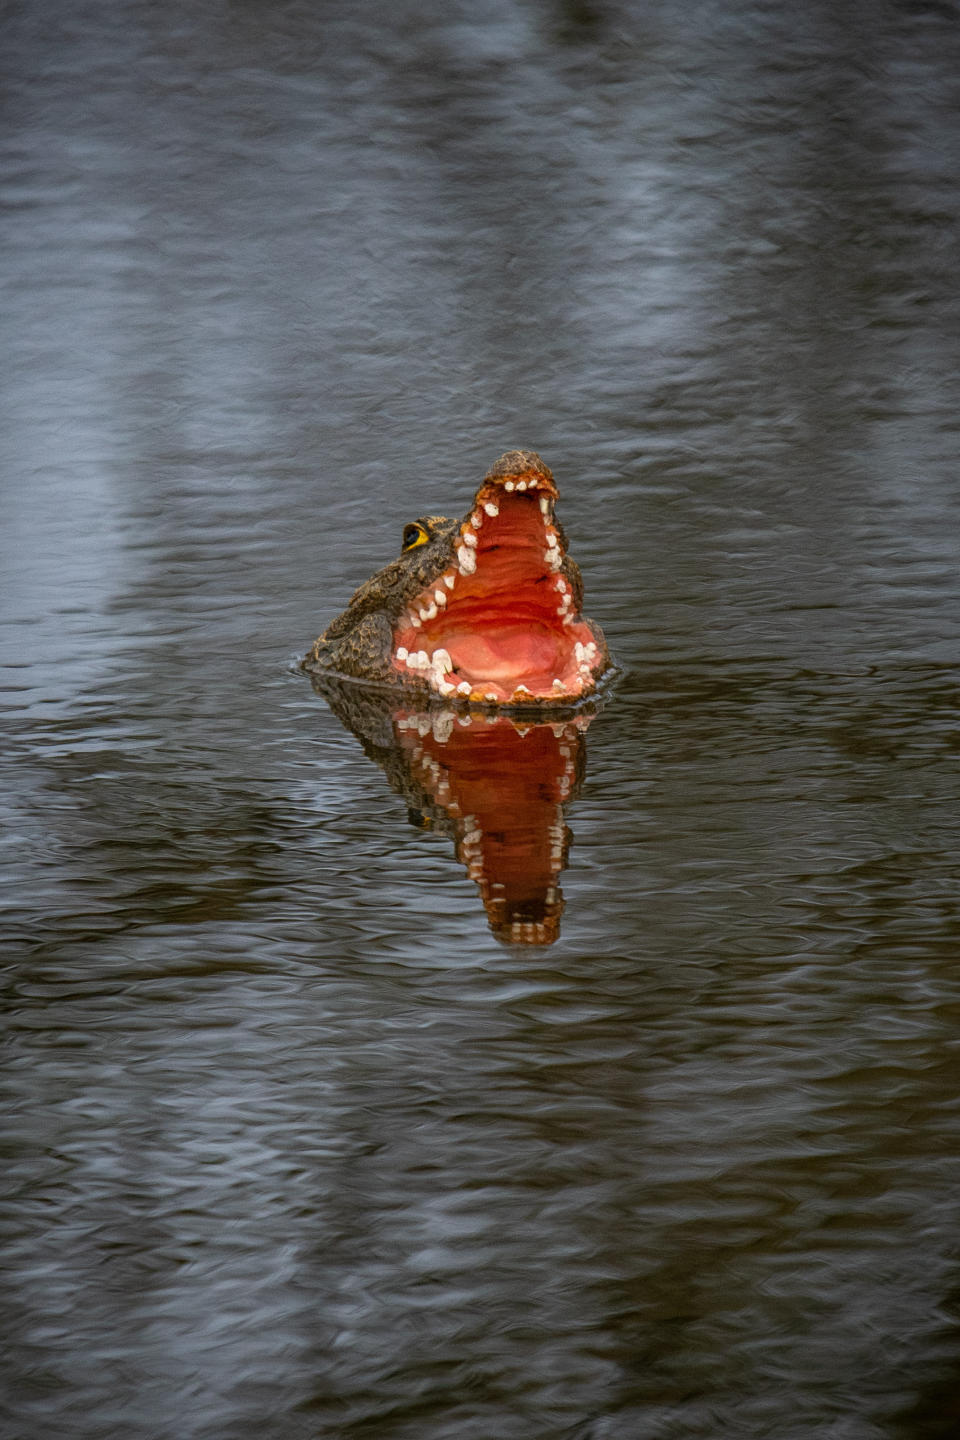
x=359, y=642
x=364, y=642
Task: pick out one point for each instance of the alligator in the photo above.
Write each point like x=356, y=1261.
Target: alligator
x=480, y=611
x=496, y=784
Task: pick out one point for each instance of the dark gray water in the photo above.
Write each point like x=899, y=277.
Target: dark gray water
x=293, y=1145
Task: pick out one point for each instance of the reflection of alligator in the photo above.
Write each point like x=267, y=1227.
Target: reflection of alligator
x=496, y=785
x=482, y=610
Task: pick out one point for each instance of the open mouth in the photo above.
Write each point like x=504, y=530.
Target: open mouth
x=500, y=624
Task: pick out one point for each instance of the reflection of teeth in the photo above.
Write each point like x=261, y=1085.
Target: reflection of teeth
x=402, y=652
x=468, y=561
x=442, y=661
x=440, y=598
x=490, y=508
x=423, y=726
x=470, y=539
x=464, y=720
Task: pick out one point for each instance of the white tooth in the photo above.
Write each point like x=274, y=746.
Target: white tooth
x=552, y=540
x=553, y=558
x=476, y=519
x=509, y=486
x=470, y=539
x=402, y=652
x=489, y=696
x=423, y=660
x=590, y=648
x=560, y=584
x=468, y=561
x=578, y=650
x=449, y=581
x=490, y=508
x=569, y=619
x=521, y=484
x=441, y=659
x=440, y=597
x=415, y=621
x=463, y=688
x=522, y=690
x=445, y=688
x=558, y=684
x=430, y=613
x=545, y=504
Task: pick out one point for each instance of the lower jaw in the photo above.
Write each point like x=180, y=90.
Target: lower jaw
x=515, y=691
x=509, y=663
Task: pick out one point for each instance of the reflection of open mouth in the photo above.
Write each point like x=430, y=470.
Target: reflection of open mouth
x=504, y=786
x=496, y=784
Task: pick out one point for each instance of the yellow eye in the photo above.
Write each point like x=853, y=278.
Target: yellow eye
x=415, y=534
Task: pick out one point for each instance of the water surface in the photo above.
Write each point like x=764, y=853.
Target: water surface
x=294, y=1146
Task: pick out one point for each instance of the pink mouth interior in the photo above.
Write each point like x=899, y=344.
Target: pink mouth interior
x=506, y=628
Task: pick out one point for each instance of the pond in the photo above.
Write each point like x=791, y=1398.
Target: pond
x=625, y=1108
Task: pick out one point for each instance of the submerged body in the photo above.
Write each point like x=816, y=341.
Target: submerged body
x=484, y=610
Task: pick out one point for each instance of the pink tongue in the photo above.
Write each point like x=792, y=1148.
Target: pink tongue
x=512, y=653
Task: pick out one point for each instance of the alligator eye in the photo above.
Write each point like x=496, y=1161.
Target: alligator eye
x=414, y=535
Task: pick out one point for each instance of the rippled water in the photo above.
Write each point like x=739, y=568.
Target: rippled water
x=294, y=1144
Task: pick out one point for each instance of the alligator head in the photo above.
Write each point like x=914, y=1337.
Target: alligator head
x=483, y=610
